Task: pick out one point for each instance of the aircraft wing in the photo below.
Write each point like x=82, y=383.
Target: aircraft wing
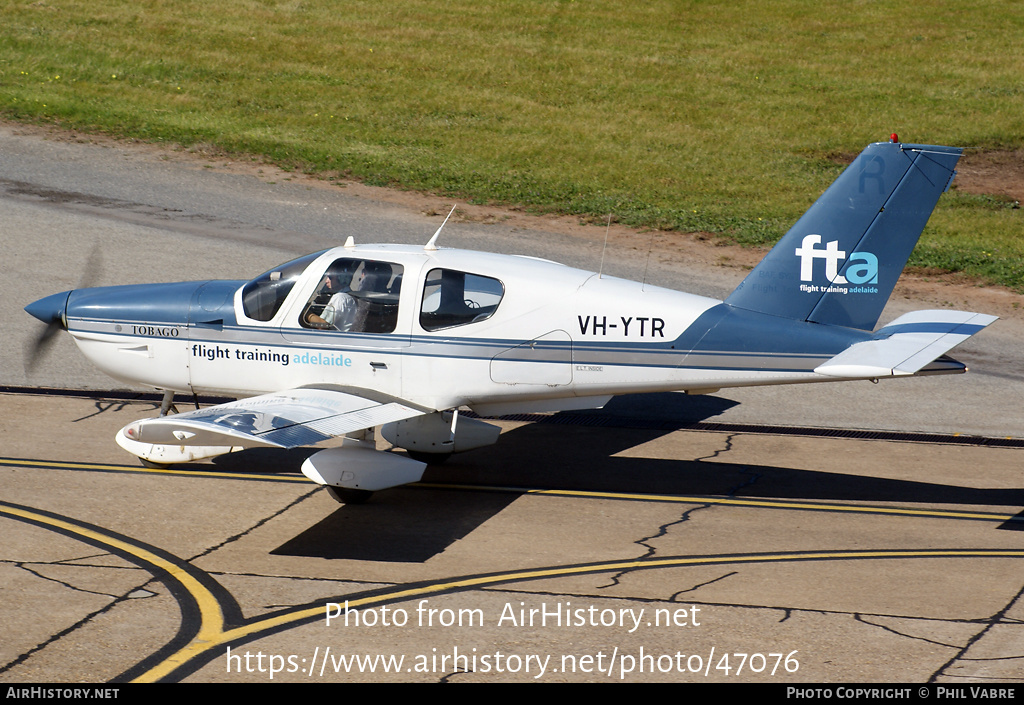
x=288, y=419
x=906, y=345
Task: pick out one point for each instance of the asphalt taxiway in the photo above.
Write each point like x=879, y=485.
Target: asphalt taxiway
x=568, y=552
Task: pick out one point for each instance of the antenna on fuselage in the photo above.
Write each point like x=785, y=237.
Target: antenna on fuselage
x=608, y=228
x=432, y=244
x=650, y=247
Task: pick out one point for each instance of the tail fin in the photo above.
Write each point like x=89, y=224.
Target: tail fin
x=839, y=263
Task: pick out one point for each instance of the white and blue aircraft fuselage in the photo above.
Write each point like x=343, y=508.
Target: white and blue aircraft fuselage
x=344, y=340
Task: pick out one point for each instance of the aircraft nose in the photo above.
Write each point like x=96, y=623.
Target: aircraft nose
x=50, y=309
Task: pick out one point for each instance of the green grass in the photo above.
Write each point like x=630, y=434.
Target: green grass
x=718, y=117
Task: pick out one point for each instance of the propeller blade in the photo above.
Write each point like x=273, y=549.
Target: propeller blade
x=38, y=348
x=50, y=310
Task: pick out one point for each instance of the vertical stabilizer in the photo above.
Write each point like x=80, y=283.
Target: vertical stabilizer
x=839, y=263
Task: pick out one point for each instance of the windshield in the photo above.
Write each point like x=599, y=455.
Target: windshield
x=263, y=296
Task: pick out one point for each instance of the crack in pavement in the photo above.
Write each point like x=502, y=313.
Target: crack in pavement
x=663, y=530
x=961, y=659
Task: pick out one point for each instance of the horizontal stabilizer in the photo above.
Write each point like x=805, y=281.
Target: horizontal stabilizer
x=906, y=345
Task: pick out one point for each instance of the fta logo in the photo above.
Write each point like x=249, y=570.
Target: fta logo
x=862, y=267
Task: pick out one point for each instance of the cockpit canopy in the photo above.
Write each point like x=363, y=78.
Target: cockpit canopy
x=363, y=295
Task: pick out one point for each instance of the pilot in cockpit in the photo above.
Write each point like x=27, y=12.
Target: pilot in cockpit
x=339, y=311
x=353, y=297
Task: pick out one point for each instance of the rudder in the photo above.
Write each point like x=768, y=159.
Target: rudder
x=839, y=263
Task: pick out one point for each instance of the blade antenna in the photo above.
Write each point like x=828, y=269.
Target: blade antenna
x=650, y=248
x=606, y=230
x=432, y=244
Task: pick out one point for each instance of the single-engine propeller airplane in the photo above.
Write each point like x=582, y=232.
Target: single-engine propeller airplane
x=341, y=341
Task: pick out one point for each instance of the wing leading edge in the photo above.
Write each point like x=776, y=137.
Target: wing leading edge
x=288, y=419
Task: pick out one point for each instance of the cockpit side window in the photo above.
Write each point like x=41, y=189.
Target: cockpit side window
x=355, y=296
x=452, y=298
x=263, y=296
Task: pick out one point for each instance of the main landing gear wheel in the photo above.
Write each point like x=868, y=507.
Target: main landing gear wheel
x=154, y=466
x=349, y=496
x=428, y=458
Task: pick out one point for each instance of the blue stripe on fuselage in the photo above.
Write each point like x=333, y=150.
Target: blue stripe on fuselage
x=723, y=337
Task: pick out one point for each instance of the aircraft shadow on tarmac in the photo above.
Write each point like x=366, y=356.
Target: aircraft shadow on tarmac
x=414, y=524
x=263, y=461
